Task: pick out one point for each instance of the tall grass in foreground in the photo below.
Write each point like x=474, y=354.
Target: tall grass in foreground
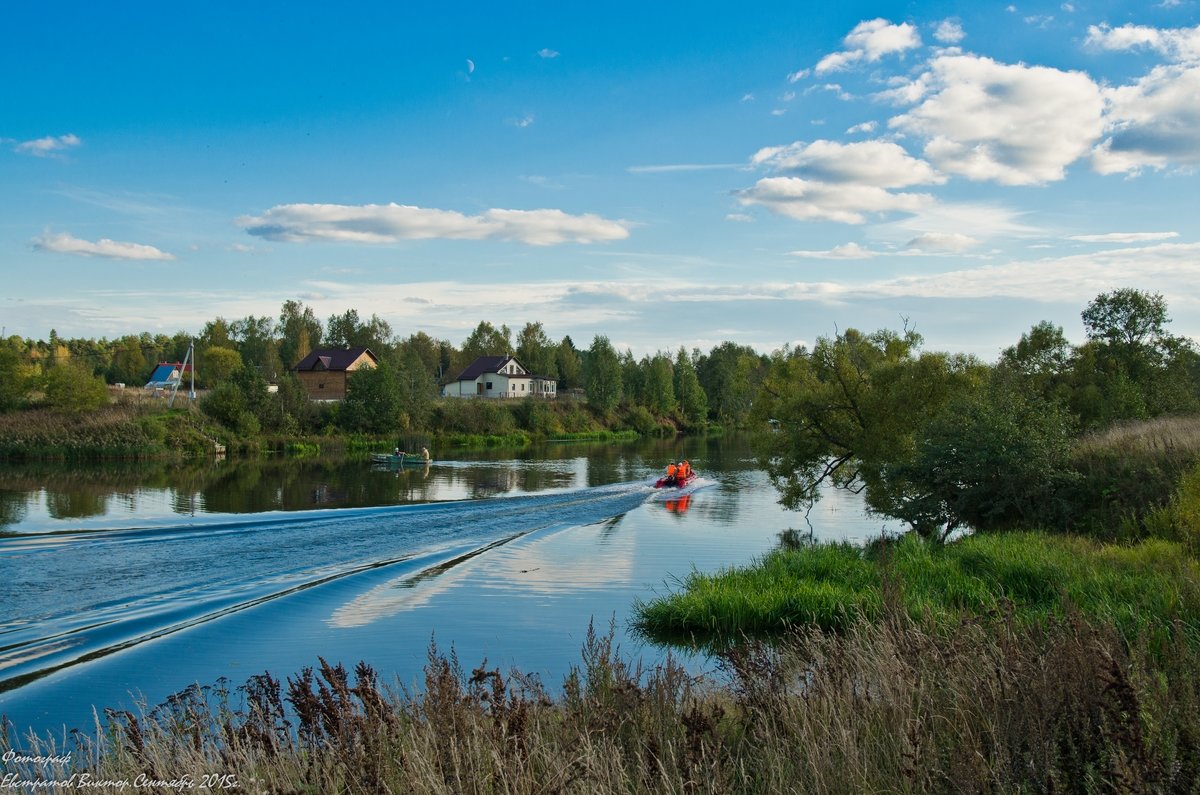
x=1144, y=590
x=892, y=706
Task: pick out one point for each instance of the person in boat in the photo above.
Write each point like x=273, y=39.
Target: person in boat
x=672, y=472
x=397, y=453
x=425, y=453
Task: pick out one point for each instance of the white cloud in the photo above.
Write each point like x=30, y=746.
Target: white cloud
x=871, y=40
x=63, y=243
x=50, y=146
x=942, y=242
x=949, y=31
x=523, y=122
x=546, y=52
x=1014, y=124
x=865, y=127
x=1178, y=44
x=1125, y=237
x=778, y=111
x=740, y=218
x=845, y=251
x=1068, y=7
x=797, y=76
x=847, y=203
x=390, y=223
x=1152, y=123
x=877, y=163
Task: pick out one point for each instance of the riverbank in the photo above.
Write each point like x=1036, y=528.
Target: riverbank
x=150, y=430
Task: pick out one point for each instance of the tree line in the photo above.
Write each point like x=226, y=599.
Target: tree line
x=945, y=441
x=236, y=359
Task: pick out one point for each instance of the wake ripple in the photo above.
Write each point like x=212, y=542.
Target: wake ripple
x=73, y=596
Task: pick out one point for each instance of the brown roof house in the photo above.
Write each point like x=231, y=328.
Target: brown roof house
x=499, y=377
x=326, y=371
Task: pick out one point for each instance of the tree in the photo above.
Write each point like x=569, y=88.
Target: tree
x=218, y=365
x=1127, y=318
x=347, y=330
x=849, y=414
x=997, y=458
x=693, y=403
x=485, y=340
x=536, y=350
x=72, y=387
x=373, y=401
x=299, y=331
x=730, y=375
x=568, y=365
x=659, y=389
x=602, y=375
x=14, y=380
x=257, y=345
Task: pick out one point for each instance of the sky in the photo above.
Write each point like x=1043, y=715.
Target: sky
x=663, y=174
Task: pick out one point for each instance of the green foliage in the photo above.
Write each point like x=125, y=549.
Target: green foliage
x=693, y=402
x=851, y=412
x=299, y=332
x=659, y=385
x=485, y=340
x=731, y=375
x=71, y=387
x=14, y=381
x=568, y=365
x=1143, y=589
x=535, y=350
x=994, y=458
x=373, y=402
x=347, y=330
x=218, y=364
x=602, y=375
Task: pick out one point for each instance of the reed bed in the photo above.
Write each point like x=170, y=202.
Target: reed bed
x=894, y=705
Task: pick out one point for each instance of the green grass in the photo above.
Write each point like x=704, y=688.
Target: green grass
x=1141, y=589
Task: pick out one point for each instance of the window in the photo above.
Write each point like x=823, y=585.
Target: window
x=489, y=384
x=522, y=387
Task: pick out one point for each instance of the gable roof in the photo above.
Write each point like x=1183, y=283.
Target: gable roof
x=168, y=374
x=486, y=364
x=333, y=358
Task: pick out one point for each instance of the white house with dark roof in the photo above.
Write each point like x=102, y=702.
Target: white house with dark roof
x=500, y=377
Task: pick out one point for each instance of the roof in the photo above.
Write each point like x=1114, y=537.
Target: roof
x=167, y=373
x=333, y=358
x=485, y=364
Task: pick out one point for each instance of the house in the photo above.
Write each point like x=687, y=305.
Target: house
x=167, y=375
x=500, y=377
x=325, y=372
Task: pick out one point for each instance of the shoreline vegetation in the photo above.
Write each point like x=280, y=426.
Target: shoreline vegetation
x=1036, y=630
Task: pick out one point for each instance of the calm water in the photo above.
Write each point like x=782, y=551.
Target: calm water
x=126, y=584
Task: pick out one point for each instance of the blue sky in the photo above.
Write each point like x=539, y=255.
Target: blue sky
x=668, y=174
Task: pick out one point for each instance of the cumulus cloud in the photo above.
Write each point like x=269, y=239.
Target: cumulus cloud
x=50, y=146
x=1153, y=122
x=847, y=203
x=390, y=223
x=846, y=251
x=949, y=31
x=869, y=41
x=878, y=163
x=1013, y=124
x=1178, y=44
x=865, y=127
x=546, y=52
x=63, y=243
x=841, y=182
x=1125, y=237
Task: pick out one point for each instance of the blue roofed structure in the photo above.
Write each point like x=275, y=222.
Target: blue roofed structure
x=167, y=374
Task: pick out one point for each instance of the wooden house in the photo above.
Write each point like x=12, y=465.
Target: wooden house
x=326, y=372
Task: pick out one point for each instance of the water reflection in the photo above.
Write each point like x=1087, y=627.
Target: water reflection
x=38, y=496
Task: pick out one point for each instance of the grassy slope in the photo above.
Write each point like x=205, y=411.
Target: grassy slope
x=1139, y=588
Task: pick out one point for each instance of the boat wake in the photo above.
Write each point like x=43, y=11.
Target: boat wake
x=94, y=590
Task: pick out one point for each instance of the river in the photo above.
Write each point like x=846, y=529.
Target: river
x=120, y=585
